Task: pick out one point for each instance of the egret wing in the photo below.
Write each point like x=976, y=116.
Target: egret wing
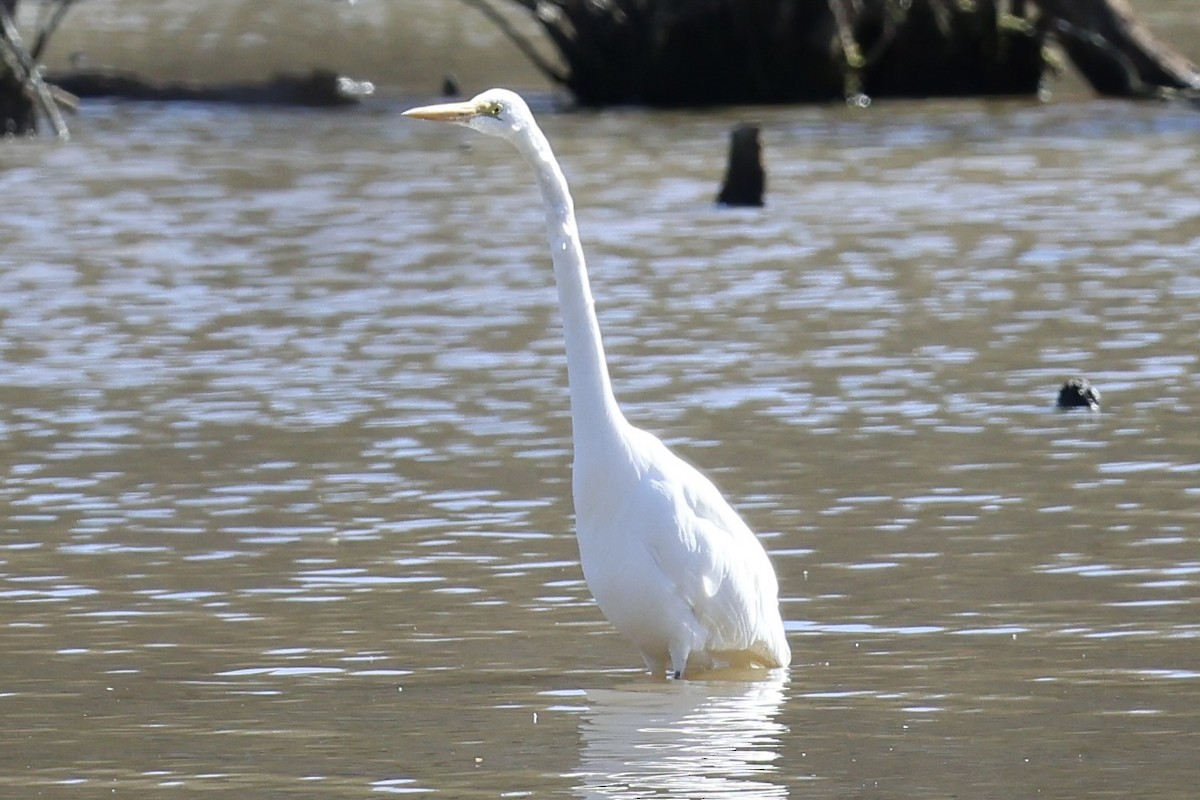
x=718, y=566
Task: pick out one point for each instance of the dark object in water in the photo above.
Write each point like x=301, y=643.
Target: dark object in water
x=726, y=52
x=318, y=88
x=1078, y=393
x=745, y=181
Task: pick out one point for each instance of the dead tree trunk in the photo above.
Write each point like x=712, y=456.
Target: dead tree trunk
x=1116, y=53
x=709, y=52
x=17, y=114
x=23, y=93
x=943, y=48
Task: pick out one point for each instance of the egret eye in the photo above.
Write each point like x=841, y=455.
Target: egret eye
x=492, y=109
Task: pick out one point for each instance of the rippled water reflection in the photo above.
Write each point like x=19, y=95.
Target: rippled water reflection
x=286, y=453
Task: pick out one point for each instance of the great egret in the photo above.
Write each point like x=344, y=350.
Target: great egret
x=670, y=563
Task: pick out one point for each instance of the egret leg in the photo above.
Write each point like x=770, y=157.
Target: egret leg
x=655, y=666
x=679, y=658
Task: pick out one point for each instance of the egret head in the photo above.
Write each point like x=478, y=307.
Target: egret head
x=496, y=112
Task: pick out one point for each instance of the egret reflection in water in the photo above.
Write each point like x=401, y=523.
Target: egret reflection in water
x=703, y=739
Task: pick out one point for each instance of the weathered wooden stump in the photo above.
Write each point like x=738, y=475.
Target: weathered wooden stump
x=745, y=180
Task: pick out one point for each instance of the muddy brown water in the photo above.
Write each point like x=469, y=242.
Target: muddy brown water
x=285, y=453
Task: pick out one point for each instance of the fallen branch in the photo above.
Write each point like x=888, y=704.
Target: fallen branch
x=50, y=16
x=522, y=44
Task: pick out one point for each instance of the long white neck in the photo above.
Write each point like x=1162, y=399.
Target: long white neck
x=596, y=419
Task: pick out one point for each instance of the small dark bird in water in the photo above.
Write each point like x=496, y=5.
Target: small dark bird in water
x=745, y=181
x=1078, y=393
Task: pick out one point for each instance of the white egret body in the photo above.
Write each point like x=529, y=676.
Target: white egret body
x=670, y=563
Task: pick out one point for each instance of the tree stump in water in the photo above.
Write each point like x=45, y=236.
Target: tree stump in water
x=745, y=181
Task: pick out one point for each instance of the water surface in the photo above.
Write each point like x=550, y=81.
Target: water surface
x=285, y=453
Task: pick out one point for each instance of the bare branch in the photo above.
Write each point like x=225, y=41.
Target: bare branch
x=48, y=23
x=523, y=44
x=26, y=70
